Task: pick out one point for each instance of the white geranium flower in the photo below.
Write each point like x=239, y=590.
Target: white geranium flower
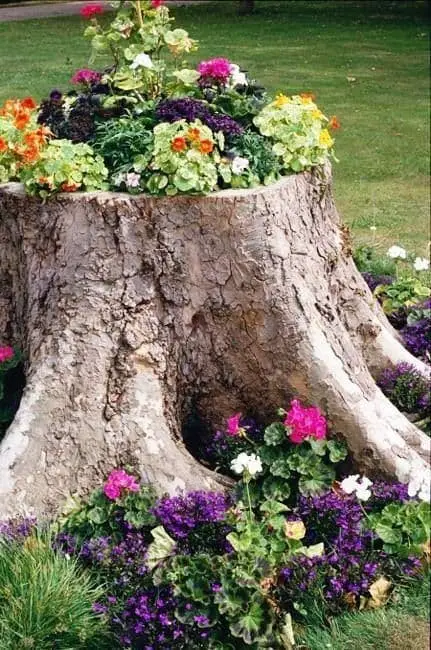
x=237, y=78
x=397, y=251
x=239, y=165
x=350, y=484
x=142, y=60
x=425, y=492
x=419, y=486
x=360, y=487
x=421, y=264
x=246, y=462
x=362, y=491
x=133, y=179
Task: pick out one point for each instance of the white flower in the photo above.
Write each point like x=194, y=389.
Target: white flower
x=362, y=491
x=237, y=78
x=246, y=462
x=419, y=486
x=397, y=251
x=239, y=165
x=352, y=484
x=142, y=60
x=132, y=179
x=421, y=264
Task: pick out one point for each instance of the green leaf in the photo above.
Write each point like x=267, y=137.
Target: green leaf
x=280, y=467
x=388, y=534
x=275, y=434
x=161, y=548
x=275, y=488
x=318, y=482
x=337, y=451
x=318, y=446
x=247, y=627
x=98, y=515
x=273, y=507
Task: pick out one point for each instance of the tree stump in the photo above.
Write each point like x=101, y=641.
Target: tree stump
x=135, y=311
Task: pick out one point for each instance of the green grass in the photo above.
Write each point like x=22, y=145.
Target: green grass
x=403, y=625
x=46, y=600
x=294, y=46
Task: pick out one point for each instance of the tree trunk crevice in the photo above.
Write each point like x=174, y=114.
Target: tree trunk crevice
x=134, y=311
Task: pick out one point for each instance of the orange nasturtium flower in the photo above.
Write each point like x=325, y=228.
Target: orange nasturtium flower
x=69, y=187
x=179, y=144
x=206, y=146
x=30, y=154
x=22, y=118
x=194, y=134
x=3, y=145
x=308, y=96
x=29, y=103
x=334, y=122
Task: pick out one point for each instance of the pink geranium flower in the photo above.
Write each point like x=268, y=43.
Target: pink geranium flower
x=6, y=353
x=86, y=76
x=90, y=10
x=233, y=428
x=156, y=3
x=305, y=422
x=117, y=481
x=215, y=70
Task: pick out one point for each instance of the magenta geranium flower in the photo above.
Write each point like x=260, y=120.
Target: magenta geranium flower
x=117, y=481
x=86, y=76
x=6, y=353
x=215, y=70
x=90, y=10
x=304, y=422
x=233, y=426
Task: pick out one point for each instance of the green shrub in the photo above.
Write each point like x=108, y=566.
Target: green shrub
x=46, y=600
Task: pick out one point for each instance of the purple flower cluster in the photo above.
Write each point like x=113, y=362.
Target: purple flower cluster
x=17, y=530
x=352, y=559
x=147, y=620
x=196, y=521
x=373, y=281
x=187, y=108
x=417, y=338
x=407, y=388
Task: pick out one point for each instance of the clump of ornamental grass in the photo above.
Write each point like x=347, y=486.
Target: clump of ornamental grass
x=46, y=600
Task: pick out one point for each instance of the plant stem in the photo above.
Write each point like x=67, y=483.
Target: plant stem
x=249, y=499
x=139, y=13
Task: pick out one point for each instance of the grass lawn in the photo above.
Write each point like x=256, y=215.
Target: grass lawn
x=403, y=625
x=367, y=61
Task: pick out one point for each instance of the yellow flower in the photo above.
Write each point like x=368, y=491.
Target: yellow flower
x=325, y=139
x=281, y=100
x=316, y=114
x=306, y=100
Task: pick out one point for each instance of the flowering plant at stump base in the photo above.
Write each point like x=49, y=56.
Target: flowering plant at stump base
x=65, y=167
x=409, y=391
x=107, y=516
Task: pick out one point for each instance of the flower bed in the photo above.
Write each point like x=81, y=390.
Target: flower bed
x=207, y=570
x=149, y=123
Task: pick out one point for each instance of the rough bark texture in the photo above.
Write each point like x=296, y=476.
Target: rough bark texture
x=134, y=312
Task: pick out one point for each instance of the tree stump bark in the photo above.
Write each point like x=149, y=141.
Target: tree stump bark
x=133, y=312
